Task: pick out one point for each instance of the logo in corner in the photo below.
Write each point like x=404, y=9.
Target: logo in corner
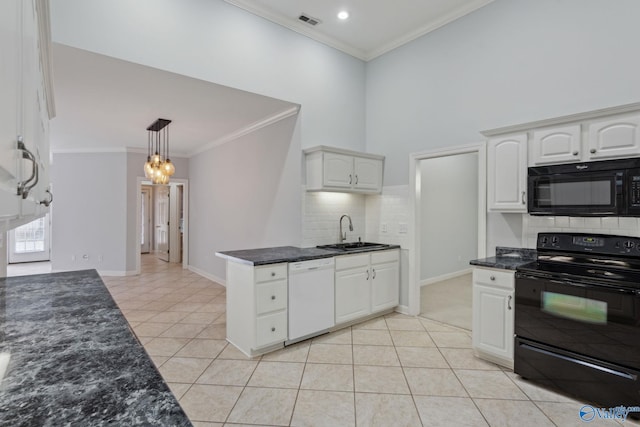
x=587, y=413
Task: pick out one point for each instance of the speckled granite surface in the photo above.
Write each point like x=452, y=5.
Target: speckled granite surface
x=73, y=359
x=507, y=258
x=264, y=256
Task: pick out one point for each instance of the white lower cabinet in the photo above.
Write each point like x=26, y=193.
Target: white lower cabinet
x=256, y=307
x=366, y=283
x=493, y=315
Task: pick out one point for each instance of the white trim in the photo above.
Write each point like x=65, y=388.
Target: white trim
x=185, y=235
x=116, y=273
x=403, y=309
x=415, y=211
x=337, y=150
x=305, y=30
x=432, y=280
x=610, y=111
x=209, y=276
x=266, y=121
x=101, y=150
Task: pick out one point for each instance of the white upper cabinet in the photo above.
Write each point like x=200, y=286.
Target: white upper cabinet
x=555, y=145
x=507, y=173
x=335, y=169
x=10, y=104
x=614, y=137
x=26, y=106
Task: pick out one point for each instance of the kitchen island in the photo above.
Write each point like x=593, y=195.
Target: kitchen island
x=68, y=357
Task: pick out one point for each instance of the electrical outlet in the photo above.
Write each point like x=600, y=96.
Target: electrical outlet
x=85, y=257
x=403, y=228
x=384, y=228
x=73, y=258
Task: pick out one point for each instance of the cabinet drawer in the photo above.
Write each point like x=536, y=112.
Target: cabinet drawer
x=271, y=272
x=352, y=261
x=271, y=328
x=491, y=277
x=385, y=256
x=271, y=296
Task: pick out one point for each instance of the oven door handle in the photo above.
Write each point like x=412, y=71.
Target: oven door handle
x=587, y=284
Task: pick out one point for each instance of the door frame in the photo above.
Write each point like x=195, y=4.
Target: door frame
x=185, y=235
x=148, y=239
x=415, y=211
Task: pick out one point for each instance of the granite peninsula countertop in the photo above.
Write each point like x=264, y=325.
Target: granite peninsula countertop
x=280, y=254
x=72, y=359
x=507, y=258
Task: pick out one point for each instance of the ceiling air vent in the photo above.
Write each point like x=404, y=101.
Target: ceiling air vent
x=309, y=20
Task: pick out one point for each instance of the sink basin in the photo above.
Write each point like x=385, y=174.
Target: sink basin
x=353, y=246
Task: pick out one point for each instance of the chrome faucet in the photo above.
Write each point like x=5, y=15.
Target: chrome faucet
x=343, y=236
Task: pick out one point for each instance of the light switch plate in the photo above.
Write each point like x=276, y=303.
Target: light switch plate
x=403, y=228
x=383, y=227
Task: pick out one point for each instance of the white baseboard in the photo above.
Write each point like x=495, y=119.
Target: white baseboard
x=445, y=277
x=403, y=309
x=209, y=276
x=117, y=273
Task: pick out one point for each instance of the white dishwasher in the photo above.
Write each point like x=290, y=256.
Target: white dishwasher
x=311, y=298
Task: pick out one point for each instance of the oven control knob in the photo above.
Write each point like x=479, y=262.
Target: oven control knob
x=554, y=240
x=629, y=244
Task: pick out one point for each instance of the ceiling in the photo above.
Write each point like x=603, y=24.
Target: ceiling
x=374, y=26
x=106, y=103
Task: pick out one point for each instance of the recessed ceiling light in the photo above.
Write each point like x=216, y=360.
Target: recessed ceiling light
x=343, y=14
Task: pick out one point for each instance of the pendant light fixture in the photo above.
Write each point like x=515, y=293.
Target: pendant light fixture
x=158, y=168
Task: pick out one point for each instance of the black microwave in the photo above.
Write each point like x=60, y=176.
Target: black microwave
x=604, y=188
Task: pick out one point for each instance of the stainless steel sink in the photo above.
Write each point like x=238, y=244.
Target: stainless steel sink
x=353, y=246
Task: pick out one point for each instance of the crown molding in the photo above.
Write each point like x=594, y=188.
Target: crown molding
x=109, y=150
x=346, y=48
x=253, y=127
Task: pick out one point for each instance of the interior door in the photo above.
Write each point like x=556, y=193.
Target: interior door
x=162, y=222
x=145, y=208
x=30, y=242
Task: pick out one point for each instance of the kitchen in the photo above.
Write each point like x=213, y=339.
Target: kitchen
x=512, y=85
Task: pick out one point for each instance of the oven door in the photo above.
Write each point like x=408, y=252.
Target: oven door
x=598, y=321
x=581, y=338
x=577, y=193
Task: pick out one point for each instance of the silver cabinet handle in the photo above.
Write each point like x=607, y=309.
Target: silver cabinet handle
x=350, y=179
x=592, y=151
x=367, y=274
x=374, y=273
x=492, y=278
x=273, y=274
x=25, y=186
x=273, y=329
x=356, y=179
x=575, y=153
x=509, y=302
x=46, y=203
x=273, y=297
x=524, y=202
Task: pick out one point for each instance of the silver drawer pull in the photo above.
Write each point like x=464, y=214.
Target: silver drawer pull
x=273, y=297
x=273, y=329
x=509, y=302
x=592, y=151
x=273, y=274
x=492, y=277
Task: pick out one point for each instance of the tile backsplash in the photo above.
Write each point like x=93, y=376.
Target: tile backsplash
x=624, y=226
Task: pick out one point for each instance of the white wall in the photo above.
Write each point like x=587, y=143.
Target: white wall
x=215, y=41
x=449, y=222
x=510, y=62
x=245, y=194
x=94, y=211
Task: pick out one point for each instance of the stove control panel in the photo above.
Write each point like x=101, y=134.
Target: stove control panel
x=604, y=244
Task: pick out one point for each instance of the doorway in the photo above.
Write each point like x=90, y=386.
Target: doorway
x=165, y=209
x=450, y=230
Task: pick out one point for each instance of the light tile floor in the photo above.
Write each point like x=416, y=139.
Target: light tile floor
x=391, y=371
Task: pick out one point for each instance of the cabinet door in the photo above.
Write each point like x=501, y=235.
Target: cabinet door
x=353, y=294
x=616, y=137
x=338, y=170
x=555, y=145
x=507, y=173
x=493, y=319
x=385, y=286
x=367, y=174
x=10, y=105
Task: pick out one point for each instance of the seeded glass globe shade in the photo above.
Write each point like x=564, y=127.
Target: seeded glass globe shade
x=168, y=168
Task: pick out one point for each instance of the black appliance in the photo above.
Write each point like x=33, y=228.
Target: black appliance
x=577, y=317
x=604, y=188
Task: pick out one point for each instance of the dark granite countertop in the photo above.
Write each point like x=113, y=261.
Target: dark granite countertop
x=264, y=256
x=507, y=258
x=73, y=359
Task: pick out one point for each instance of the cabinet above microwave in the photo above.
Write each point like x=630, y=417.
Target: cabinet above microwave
x=335, y=169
